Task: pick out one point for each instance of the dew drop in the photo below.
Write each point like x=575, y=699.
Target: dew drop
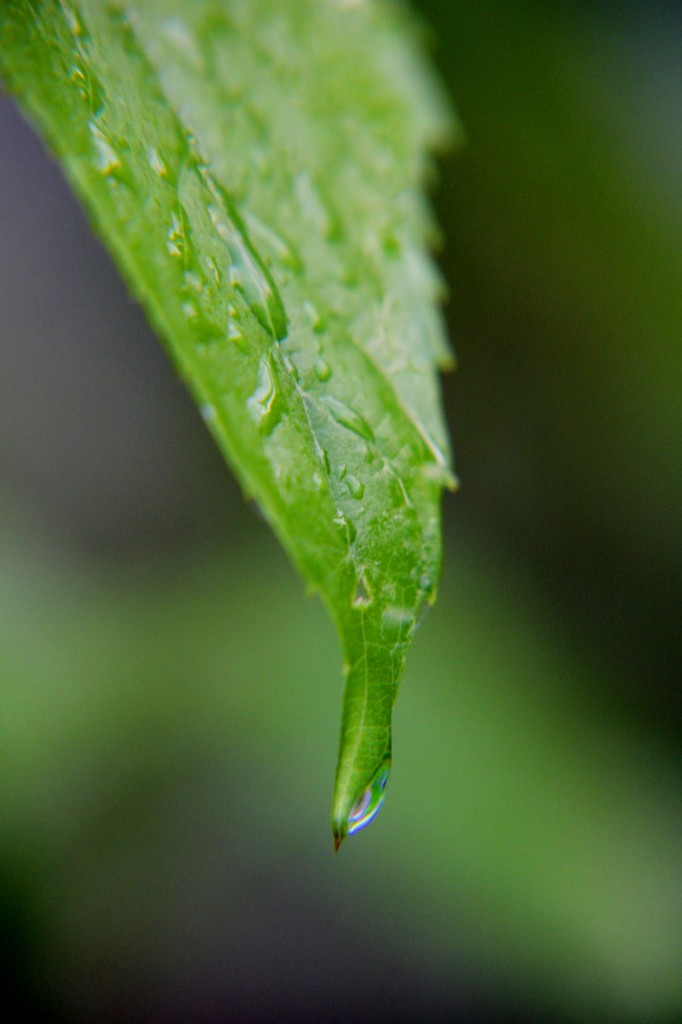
x=192, y=282
x=80, y=79
x=355, y=486
x=349, y=529
x=362, y=597
x=348, y=417
x=89, y=87
x=397, y=621
x=391, y=245
x=439, y=474
x=76, y=26
x=235, y=335
x=217, y=278
x=368, y=806
x=322, y=370
x=263, y=402
x=316, y=208
x=313, y=314
x=156, y=163
x=180, y=36
x=177, y=241
x=271, y=242
x=247, y=274
x=109, y=159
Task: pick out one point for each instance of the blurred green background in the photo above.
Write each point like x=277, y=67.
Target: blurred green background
x=171, y=700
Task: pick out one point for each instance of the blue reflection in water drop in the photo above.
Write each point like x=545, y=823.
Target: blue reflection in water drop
x=369, y=804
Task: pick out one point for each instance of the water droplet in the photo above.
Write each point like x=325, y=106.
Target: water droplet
x=427, y=585
x=180, y=36
x=89, y=87
x=76, y=26
x=192, y=282
x=440, y=474
x=217, y=277
x=368, y=806
x=362, y=597
x=350, y=276
x=349, y=529
x=315, y=208
x=322, y=370
x=208, y=412
x=235, y=335
x=177, y=240
x=109, y=158
x=247, y=273
x=356, y=488
x=316, y=321
x=156, y=163
x=348, y=417
x=263, y=402
x=397, y=621
x=391, y=245
x=79, y=77
x=282, y=250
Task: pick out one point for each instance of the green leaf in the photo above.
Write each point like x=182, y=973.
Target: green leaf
x=256, y=167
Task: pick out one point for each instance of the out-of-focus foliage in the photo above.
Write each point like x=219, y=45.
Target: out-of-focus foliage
x=144, y=732
x=528, y=862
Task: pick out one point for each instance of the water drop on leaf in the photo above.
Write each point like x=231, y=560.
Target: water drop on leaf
x=322, y=370
x=356, y=488
x=315, y=317
x=263, y=403
x=362, y=597
x=349, y=418
x=366, y=807
x=156, y=163
x=397, y=621
x=247, y=273
x=369, y=804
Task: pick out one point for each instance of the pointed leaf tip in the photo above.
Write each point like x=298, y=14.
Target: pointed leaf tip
x=285, y=264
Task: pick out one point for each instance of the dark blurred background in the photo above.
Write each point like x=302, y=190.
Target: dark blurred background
x=170, y=700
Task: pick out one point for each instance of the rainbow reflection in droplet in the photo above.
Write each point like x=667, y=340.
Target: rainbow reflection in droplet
x=369, y=804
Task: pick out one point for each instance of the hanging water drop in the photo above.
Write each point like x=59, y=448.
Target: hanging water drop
x=369, y=804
